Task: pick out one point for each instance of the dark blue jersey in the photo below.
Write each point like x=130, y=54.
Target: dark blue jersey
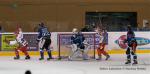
x=73, y=39
x=43, y=33
x=130, y=37
x=78, y=39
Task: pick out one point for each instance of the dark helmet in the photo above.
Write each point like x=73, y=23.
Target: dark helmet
x=41, y=25
x=129, y=27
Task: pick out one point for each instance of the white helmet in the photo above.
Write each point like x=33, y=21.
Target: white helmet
x=74, y=30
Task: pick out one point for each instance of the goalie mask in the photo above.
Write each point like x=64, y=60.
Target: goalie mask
x=74, y=30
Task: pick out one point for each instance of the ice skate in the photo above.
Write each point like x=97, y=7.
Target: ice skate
x=85, y=59
x=27, y=57
x=17, y=57
x=49, y=58
x=69, y=58
x=128, y=62
x=41, y=58
x=135, y=62
x=107, y=57
x=99, y=58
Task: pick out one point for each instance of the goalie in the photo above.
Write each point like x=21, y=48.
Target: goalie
x=78, y=45
x=22, y=44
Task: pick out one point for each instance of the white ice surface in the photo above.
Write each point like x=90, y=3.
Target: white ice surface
x=10, y=66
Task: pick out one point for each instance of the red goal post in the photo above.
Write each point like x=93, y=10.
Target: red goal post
x=64, y=40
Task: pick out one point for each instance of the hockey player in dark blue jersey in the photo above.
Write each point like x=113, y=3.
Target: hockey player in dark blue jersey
x=44, y=39
x=132, y=44
x=77, y=41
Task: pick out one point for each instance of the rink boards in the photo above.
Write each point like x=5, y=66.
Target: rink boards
x=55, y=53
x=114, y=46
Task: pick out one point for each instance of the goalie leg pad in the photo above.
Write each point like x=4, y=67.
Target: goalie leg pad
x=85, y=56
x=74, y=54
x=74, y=47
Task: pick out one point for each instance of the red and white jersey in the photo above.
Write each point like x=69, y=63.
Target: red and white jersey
x=101, y=37
x=19, y=39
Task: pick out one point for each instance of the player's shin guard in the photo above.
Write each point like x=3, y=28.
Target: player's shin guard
x=85, y=56
x=106, y=54
x=128, y=59
x=107, y=57
x=24, y=50
x=41, y=54
x=128, y=56
x=134, y=53
x=99, y=54
x=135, y=61
x=17, y=54
x=134, y=58
x=49, y=54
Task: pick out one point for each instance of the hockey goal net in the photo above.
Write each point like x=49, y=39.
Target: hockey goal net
x=64, y=43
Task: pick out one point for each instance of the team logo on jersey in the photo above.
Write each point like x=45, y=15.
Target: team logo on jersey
x=140, y=41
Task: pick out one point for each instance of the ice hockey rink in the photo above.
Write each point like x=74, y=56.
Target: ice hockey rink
x=115, y=65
